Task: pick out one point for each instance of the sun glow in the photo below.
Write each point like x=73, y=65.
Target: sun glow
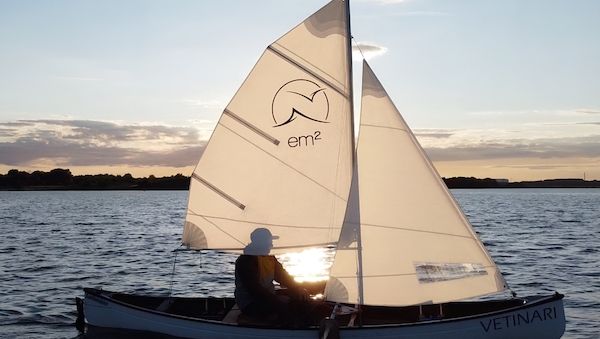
x=310, y=265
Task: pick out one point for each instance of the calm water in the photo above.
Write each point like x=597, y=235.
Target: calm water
x=55, y=243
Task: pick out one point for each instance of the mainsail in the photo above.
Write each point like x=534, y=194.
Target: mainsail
x=405, y=240
x=281, y=154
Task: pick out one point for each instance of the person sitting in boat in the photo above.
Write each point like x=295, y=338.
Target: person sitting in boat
x=255, y=271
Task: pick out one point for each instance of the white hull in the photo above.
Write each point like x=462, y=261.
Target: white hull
x=542, y=318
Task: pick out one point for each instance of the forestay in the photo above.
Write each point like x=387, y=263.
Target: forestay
x=416, y=244
x=281, y=154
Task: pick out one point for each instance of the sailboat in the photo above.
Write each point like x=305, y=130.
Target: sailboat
x=283, y=157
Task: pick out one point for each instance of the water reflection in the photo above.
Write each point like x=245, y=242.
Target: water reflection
x=310, y=265
x=55, y=243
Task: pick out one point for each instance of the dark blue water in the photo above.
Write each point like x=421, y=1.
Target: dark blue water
x=52, y=244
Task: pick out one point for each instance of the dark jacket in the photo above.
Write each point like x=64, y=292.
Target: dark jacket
x=254, y=277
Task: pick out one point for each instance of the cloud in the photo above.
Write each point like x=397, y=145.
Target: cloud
x=543, y=166
x=102, y=143
x=433, y=133
x=107, y=132
x=368, y=50
x=543, y=148
x=87, y=142
x=14, y=124
x=27, y=151
x=588, y=111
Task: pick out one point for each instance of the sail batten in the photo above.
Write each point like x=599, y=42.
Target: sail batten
x=252, y=127
x=308, y=70
x=219, y=192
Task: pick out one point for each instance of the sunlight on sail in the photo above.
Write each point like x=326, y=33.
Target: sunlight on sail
x=310, y=265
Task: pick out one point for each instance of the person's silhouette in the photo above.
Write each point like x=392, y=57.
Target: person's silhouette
x=255, y=271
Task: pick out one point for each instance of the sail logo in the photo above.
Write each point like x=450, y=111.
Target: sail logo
x=300, y=98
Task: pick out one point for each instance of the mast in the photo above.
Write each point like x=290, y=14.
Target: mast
x=351, y=77
x=353, y=143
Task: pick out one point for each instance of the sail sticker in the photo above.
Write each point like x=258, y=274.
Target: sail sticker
x=300, y=98
x=433, y=272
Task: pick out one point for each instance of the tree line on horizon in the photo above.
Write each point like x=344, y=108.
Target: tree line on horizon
x=63, y=179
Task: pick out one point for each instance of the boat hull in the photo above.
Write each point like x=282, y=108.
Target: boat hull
x=542, y=318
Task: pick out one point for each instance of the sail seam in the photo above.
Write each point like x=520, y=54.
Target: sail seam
x=251, y=127
x=307, y=70
x=274, y=248
x=283, y=162
x=386, y=127
x=219, y=192
x=410, y=229
x=220, y=229
x=259, y=222
x=303, y=246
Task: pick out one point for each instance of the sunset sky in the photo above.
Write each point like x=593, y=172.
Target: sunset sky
x=502, y=89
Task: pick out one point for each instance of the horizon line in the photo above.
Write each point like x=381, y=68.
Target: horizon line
x=500, y=180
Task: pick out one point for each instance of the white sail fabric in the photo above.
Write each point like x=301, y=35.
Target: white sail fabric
x=281, y=155
x=416, y=244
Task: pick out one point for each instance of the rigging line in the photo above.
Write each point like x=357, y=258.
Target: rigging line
x=387, y=127
x=219, y=228
x=258, y=222
x=281, y=161
x=285, y=57
x=173, y=272
x=410, y=229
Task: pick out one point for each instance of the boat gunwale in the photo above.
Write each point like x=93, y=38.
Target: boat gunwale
x=97, y=293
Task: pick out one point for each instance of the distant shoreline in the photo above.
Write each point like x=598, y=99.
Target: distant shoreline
x=68, y=188
x=62, y=180
x=464, y=182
